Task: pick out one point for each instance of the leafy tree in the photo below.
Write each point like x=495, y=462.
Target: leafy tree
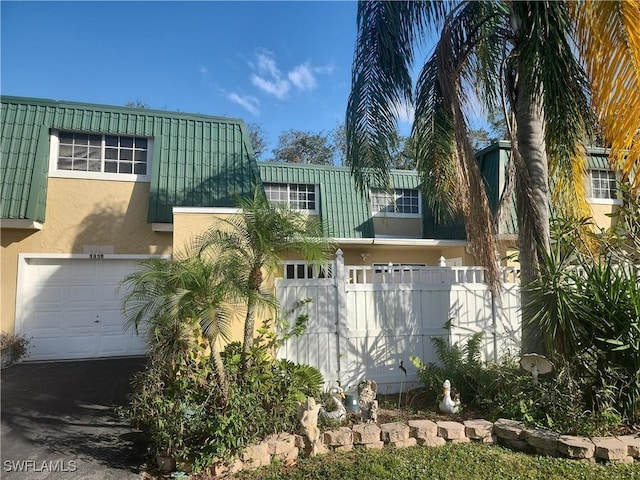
x=295, y=146
x=518, y=54
x=137, y=103
x=256, y=241
x=258, y=139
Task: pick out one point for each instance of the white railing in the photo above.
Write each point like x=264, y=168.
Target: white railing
x=394, y=274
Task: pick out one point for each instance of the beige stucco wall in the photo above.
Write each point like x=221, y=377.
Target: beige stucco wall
x=600, y=212
x=80, y=213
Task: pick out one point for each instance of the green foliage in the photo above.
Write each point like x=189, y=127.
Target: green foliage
x=562, y=403
x=588, y=308
x=14, y=347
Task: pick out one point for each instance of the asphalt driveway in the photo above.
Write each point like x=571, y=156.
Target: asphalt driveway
x=58, y=421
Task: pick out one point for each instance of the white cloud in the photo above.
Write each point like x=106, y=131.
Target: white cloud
x=248, y=102
x=269, y=78
x=302, y=77
x=405, y=113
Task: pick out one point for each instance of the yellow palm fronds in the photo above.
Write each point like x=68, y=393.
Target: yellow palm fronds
x=608, y=35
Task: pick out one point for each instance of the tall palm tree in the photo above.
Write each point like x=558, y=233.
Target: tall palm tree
x=181, y=305
x=518, y=56
x=249, y=245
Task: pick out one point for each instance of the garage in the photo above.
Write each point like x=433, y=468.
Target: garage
x=70, y=307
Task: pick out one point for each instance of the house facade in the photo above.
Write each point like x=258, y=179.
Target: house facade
x=89, y=190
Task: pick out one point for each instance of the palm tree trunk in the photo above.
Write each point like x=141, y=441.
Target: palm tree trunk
x=221, y=373
x=249, y=325
x=532, y=199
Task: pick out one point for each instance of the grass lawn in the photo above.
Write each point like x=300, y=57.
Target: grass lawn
x=458, y=462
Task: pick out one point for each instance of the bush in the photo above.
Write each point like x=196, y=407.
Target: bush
x=561, y=403
x=186, y=418
x=13, y=347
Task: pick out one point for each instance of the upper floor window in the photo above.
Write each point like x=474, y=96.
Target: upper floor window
x=109, y=157
x=403, y=202
x=603, y=186
x=299, y=196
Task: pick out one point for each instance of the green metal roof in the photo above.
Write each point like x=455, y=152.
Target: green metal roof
x=344, y=213
x=198, y=160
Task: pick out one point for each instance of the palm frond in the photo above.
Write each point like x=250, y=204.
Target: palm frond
x=381, y=82
x=608, y=35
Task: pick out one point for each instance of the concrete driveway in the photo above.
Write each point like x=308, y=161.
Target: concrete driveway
x=58, y=421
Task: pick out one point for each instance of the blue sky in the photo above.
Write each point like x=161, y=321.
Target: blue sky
x=282, y=65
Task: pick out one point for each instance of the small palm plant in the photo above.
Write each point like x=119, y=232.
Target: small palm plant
x=255, y=242
x=182, y=305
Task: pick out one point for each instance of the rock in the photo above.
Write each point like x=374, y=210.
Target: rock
x=409, y=442
x=542, y=439
x=394, y=432
x=610, y=448
x=339, y=437
x=460, y=440
x=375, y=445
x=255, y=452
x=576, y=447
x=366, y=433
x=508, y=429
x=451, y=430
x=431, y=441
x=281, y=443
x=478, y=429
x=423, y=428
x=633, y=444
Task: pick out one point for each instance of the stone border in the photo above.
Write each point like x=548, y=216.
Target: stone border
x=508, y=433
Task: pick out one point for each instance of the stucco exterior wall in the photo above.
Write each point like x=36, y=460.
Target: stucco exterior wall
x=81, y=215
x=600, y=212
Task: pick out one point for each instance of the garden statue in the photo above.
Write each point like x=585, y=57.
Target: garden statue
x=367, y=390
x=308, y=418
x=447, y=404
x=334, y=410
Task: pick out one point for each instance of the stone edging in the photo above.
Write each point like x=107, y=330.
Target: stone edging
x=509, y=433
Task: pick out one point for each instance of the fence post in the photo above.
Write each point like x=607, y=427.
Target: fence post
x=340, y=282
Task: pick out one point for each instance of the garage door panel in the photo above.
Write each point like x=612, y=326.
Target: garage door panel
x=71, y=309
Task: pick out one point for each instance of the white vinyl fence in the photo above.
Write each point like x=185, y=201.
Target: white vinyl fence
x=364, y=321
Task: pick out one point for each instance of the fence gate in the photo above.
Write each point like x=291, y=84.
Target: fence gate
x=365, y=321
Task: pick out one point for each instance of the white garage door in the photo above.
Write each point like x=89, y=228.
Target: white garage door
x=71, y=309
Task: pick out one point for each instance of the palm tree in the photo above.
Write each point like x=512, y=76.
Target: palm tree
x=249, y=245
x=181, y=305
x=518, y=56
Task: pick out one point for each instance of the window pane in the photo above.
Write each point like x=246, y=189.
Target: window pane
x=81, y=139
x=111, y=141
x=126, y=142
x=111, y=153
x=95, y=153
x=140, y=155
x=94, y=166
x=95, y=140
x=140, y=169
x=111, y=167
x=141, y=143
x=80, y=165
x=64, y=164
x=65, y=151
x=124, y=168
x=126, y=154
x=80, y=152
x=65, y=137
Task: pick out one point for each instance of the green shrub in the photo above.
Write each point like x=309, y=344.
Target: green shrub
x=562, y=403
x=186, y=416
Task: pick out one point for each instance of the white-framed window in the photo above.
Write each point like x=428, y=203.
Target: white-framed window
x=299, y=196
x=98, y=156
x=403, y=202
x=603, y=186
